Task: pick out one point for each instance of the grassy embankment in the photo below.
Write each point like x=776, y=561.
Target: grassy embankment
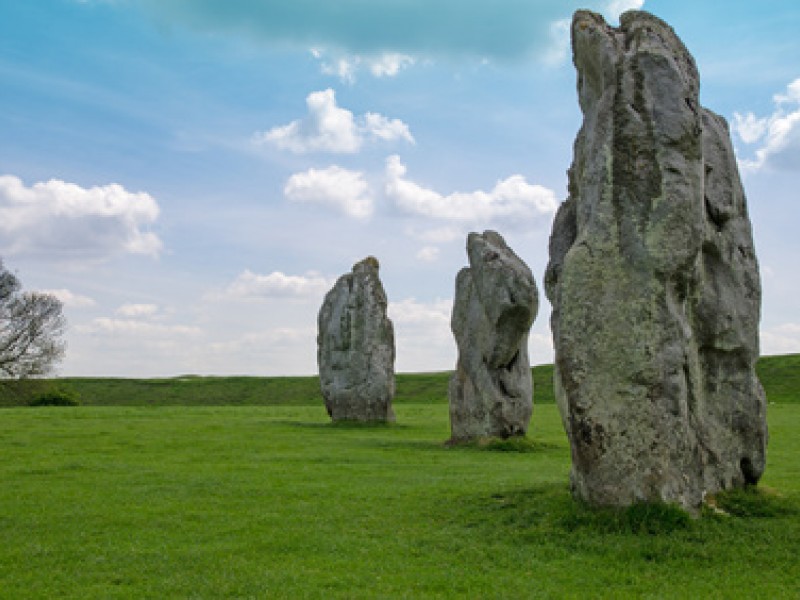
x=779, y=374
x=191, y=390
x=274, y=501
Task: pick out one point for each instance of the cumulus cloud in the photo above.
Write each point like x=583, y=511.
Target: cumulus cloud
x=777, y=136
x=330, y=128
x=513, y=202
x=749, y=128
x=327, y=128
x=383, y=128
x=249, y=285
x=792, y=95
x=504, y=29
x=63, y=220
x=71, y=299
x=340, y=189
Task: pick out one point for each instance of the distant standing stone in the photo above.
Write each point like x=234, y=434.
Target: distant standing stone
x=491, y=391
x=653, y=280
x=355, y=347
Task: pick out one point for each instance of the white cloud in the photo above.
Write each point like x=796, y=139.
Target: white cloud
x=70, y=299
x=558, y=52
x=423, y=337
x=540, y=344
x=330, y=128
x=346, y=66
x=327, y=128
x=63, y=220
x=412, y=312
x=428, y=254
x=778, y=135
x=513, y=202
x=389, y=64
x=437, y=235
x=280, y=339
x=133, y=327
x=249, y=285
x=792, y=94
x=136, y=311
x=341, y=189
x=748, y=127
x=616, y=7
x=389, y=130
x=781, y=339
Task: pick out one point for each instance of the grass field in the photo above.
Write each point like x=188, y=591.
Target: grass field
x=274, y=501
x=779, y=374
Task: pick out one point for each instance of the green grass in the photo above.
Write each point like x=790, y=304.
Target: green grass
x=780, y=376
x=266, y=501
x=203, y=487
x=191, y=390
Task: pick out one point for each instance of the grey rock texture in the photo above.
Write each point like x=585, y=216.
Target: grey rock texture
x=491, y=391
x=355, y=347
x=653, y=280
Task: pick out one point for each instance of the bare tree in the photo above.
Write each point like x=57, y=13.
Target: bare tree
x=31, y=330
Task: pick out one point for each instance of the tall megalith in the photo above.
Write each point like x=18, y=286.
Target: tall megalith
x=355, y=347
x=491, y=390
x=653, y=280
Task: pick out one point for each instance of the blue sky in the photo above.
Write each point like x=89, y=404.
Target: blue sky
x=191, y=177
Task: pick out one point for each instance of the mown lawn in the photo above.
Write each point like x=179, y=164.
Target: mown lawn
x=275, y=502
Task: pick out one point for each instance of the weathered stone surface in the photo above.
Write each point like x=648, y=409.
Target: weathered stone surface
x=653, y=280
x=491, y=391
x=355, y=347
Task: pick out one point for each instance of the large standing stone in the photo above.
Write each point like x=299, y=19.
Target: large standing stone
x=653, y=280
x=356, y=347
x=491, y=391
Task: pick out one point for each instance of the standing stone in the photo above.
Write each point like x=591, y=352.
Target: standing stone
x=491, y=391
x=355, y=347
x=653, y=280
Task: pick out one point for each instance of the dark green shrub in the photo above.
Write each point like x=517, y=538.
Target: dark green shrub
x=56, y=397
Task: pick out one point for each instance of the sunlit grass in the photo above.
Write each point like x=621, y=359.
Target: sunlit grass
x=211, y=502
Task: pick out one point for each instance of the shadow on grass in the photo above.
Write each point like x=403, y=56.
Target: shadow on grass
x=515, y=445
x=512, y=444
x=405, y=444
x=550, y=509
x=752, y=502
x=637, y=519
x=346, y=425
